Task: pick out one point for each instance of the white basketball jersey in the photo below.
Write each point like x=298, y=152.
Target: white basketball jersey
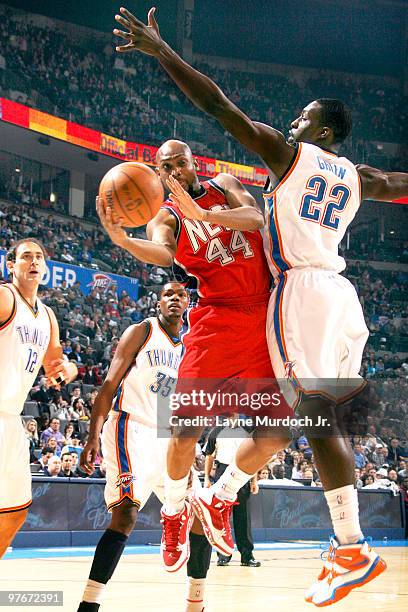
x=152, y=376
x=24, y=339
x=308, y=212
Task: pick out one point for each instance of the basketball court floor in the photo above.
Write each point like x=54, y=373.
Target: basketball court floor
x=140, y=584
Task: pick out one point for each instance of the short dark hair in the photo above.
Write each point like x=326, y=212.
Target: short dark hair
x=12, y=252
x=47, y=449
x=336, y=116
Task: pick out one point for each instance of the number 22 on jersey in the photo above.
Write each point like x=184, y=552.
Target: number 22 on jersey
x=324, y=206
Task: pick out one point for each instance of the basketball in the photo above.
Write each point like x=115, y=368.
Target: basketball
x=134, y=191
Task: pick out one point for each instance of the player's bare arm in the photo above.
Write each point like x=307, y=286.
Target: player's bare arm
x=6, y=304
x=379, y=185
x=243, y=214
x=159, y=250
x=57, y=369
x=128, y=346
x=262, y=139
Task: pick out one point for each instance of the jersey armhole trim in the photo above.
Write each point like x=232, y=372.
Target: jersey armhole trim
x=216, y=186
x=177, y=218
x=287, y=173
x=13, y=311
x=149, y=331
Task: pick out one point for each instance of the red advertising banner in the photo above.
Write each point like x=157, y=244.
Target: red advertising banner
x=26, y=117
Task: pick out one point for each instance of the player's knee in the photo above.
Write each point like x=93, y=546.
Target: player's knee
x=124, y=518
x=268, y=446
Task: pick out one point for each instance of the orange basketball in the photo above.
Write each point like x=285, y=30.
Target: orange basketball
x=134, y=191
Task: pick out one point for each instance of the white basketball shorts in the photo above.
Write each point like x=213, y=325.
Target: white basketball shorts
x=135, y=460
x=316, y=334
x=15, y=475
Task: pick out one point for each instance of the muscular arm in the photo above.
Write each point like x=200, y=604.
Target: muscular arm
x=379, y=185
x=161, y=245
x=128, y=346
x=205, y=94
x=244, y=213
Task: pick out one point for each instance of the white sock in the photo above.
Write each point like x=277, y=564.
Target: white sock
x=195, y=594
x=230, y=482
x=174, y=494
x=343, y=506
x=93, y=592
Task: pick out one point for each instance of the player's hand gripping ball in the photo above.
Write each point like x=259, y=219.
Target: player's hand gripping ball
x=133, y=191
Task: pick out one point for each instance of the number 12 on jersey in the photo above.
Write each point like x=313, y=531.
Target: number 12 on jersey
x=322, y=209
x=31, y=361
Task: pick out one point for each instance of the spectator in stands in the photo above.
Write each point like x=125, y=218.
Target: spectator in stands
x=367, y=479
x=54, y=467
x=52, y=443
x=359, y=482
x=76, y=354
x=59, y=408
x=46, y=453
x=359, y=456
x=376, y=457
x=79, y=410
x=42, y=394
x=393, y=476
x=297, y=471
x=68, y=433
x=73, y=446
x=278, y=477
x=90, y=374
x=75, y=393
x=53, y=431
x=263, y=474
x=396, y=452
x=66, y=466
x=31, y=428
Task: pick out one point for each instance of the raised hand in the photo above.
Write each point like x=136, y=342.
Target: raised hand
x=179, y=196
x=112, y=226
x=139, y=37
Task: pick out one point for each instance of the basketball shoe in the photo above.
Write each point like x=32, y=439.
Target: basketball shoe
x=175, y=541
x=327, y=565
x=351, y=566
x=214, y=514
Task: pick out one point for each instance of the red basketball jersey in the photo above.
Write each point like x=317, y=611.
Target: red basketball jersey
x=219, y=263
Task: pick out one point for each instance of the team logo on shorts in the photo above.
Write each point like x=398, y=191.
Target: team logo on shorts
x=289, y=365
x=125, y=479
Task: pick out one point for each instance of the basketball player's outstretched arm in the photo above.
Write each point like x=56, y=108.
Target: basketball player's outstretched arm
x=161, y=247
x=243, y=214
x=57, y=369
x=204, y=93
x=379, y=185
x=129, y=345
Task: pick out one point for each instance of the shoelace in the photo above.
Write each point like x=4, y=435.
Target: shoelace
x=171, y=529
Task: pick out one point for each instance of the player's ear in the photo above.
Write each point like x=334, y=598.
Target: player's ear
x=10, y=266
x=195, y=162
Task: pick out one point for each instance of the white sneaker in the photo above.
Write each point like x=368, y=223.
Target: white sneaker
x=352, y=566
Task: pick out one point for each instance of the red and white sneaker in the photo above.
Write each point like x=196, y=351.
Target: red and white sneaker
x=175, y=541
x=352, y=565
x=214, y=514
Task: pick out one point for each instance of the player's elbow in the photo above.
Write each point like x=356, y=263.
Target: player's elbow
x=258, y=221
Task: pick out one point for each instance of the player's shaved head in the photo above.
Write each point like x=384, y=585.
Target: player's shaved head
x=173, y=148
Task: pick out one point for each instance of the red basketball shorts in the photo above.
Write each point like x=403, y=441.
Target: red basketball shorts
x=226, y=350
